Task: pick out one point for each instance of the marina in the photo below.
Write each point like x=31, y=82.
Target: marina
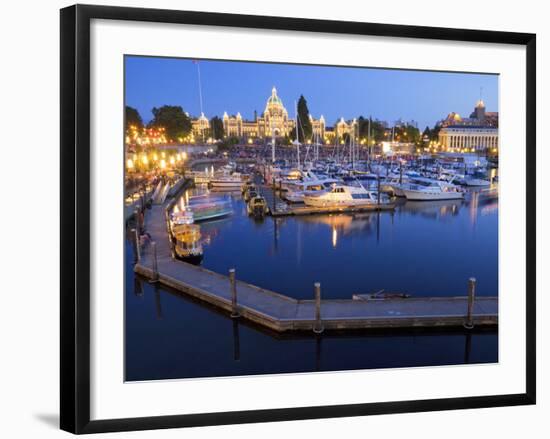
x=421, y=315
x=284, y=243
x=282, y=313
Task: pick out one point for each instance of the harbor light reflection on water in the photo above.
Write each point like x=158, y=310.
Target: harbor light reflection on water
x=423, y=249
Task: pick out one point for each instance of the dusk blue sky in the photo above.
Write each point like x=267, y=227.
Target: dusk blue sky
x=335, y=92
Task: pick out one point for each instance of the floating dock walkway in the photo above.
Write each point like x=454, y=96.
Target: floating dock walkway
x=282, y=313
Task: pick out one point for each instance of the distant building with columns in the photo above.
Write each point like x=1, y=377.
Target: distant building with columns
x=477, y=133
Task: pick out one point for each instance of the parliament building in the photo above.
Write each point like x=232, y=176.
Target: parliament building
x=273, y=122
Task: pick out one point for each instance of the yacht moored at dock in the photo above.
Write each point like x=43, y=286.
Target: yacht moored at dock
x=231, y=182
x=342, y=195
x=430, y=190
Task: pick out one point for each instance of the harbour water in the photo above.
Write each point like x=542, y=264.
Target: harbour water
x=422, y=249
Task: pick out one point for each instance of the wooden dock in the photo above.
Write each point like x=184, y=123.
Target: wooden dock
x=282, y=313
x=308, y=210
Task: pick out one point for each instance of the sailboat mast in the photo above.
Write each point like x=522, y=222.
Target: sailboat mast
x=200, y=96
x=297, y=141
x=353, y=145
x=272, y=142
x=368, y=143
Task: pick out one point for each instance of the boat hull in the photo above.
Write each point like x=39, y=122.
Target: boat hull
x=194, y=259
x=475, y=182
x=212, y=215
x=397, y=191
x=431, y=196
x=320, y=202
x=226, y=184
x=294, y=197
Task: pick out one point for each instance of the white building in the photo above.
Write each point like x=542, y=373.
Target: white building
x=468, y=137
x=479, y=132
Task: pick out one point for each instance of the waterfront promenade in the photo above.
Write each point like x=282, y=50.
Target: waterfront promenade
x=282, y=313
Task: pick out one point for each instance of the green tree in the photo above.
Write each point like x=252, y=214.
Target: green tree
x=407, y=133
x=173, y=119
x=434, y=132
x=227, y=143
x=377, y=129
x=305, y=130
x=132, y=118
x=216, y=128
x=427, y=133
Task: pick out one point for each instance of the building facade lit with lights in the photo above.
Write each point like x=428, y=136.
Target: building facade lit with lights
x=479, y=132
x=274, y=121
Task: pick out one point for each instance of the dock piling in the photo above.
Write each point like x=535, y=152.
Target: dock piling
x=378, y=190
x=155, y=277
x=233, y=283
x=137, y=218
x=318, y=325
x=469, y=324
x=137, y=254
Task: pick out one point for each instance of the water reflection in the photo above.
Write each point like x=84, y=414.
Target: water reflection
x=468, y=348
x=158, y=305
x=138, y=287
x=189, y=338
x=318, y=346
x=360, y=252
x=432, y=210
x=236, y=341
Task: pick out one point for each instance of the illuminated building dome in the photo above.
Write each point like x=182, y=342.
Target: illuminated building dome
x=454, y=117
x=480, y=104
x=274, y=107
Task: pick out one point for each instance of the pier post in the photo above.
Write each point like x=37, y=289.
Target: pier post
x=233, y=283
x=317, y=326
x=138, y=219
x=469, y=324
x=378, y=190
x=138, y=249
x=155, y=262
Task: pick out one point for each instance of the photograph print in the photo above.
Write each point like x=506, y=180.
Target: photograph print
x=293, y=218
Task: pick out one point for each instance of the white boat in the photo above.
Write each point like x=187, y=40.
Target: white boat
x=476, y=180
x=295, y=193
x=233, y=181
x=206, y=207
x=392, y=183
x=395, y=183
x=341, y=195
x=429, y=190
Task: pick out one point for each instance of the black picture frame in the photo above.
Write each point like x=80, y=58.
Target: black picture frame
x=75, y=217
